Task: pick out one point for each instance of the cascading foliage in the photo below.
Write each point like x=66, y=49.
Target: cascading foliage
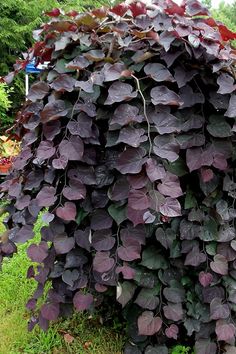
x=128, y=140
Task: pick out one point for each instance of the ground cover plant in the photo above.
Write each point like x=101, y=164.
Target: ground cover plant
x=128, y=140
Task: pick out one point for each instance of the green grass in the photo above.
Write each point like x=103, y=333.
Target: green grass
x=89, y=335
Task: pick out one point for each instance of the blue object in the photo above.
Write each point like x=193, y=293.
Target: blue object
x=31, y=68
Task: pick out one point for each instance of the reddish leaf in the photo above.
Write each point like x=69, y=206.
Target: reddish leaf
x=138, y=8
x=53, y=13
x=82, y=301
x=171, y=208
x=148, y=325
x=205, y=279
x=120, y=9
x=172, y=331
x=138, y=199
x=67, y=212
x=226, y=34
x=225, y=331
x=50, y=311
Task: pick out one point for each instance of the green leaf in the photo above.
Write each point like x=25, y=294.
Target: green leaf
x=211, y=248
x=190, y=201
x=147, y=298
x=177, y=167
x=152, y=259
x=175, y=249
x=209, y=230
x=81, y=215
x=218, y=127
x=118, y=213
x=145, y=278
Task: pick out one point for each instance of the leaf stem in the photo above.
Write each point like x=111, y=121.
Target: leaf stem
x=145, y=114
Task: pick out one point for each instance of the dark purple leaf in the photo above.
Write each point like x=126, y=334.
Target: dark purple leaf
x=148, y=325
x=45, y=150
x=95, y=55
x=113, y=72
x=182, y=76
x=51, y=129
x=119, y=190
x=37, y=253
x=154, y=170
x=166, y=37
x=63, y=82
x=82, y=301
x=125, y=114
x=81, y=127
x=22, y=159
x=130, y=252
x=22, y=235
x=78, y=63
x=103, y=240
x=102, y=262
x=132, y=136
x=190, y=98
x=136, y=216
x=161, y=95
x=63, y=244
x=138, y=199
x=166, y=147
x=119, y=92
x=67, y=212
x=164, y=121
x=195, y=257
x=158, y=72
x=231, y=111
x=87, y=86
x=53, y=110
x=60, y=163
x=131, y=161
x=197, y=157
x=75, y=191
x=50, y=311
x=23, y=202
x=84, y=174
x=72, y=149
x=170, y=186
x=173, y=312
x=46, y=197
x=219, y=310
x=226, y=83
x=101, y=220
x=138, y=181
x=83, y=238
x=219, y=265
x=204, y=346
x=127, y=272
x=70, y=276
x=38, y=91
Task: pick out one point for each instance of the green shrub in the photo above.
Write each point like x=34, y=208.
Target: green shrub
x=5, y=105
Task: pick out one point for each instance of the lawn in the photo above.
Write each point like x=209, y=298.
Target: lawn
x=78, y=335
